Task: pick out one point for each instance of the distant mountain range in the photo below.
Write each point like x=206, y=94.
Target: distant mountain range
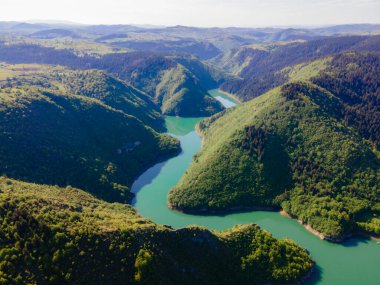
x=203, y=42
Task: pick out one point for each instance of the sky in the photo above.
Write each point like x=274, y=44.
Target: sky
x=201, y=13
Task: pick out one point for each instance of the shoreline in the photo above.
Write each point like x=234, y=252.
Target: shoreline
x=327, y=238
x=200, y=134
x=159, y=159
x=235, y=210
x=232, y=96
x=373, y=237
x=306, y=226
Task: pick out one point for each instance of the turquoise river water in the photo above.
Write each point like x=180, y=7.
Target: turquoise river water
x=356, y=261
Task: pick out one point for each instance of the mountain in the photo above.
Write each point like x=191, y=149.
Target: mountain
x=66, y=236
x=53, y=33
x=172, y=86
x=213, y=41
x=80, y=128
x=308, y=146
x=20, y=27
x=259, y=66
x=202, y=42
x=292, y=34
x=347, y=29
x=203, y=50
x=177, y=84
x=99, y=85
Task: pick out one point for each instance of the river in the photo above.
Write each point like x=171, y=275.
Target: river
x=356, y=261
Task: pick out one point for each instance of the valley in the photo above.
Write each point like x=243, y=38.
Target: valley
x=187, y=155
x=343, y=263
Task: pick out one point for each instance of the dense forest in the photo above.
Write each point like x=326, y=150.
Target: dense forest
x=307, y=148
x=82, y=113
x=65, y=236
x=355, y=79
x=109, y=90
x=259, y=66
x=77, y=128
x=177, y=88
x=203, y=50
x=176, y=84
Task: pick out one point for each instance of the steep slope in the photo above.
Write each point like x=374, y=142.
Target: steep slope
x=111, y=91
x=89, y=83
x=176, y=89
x=142, y=70
x=354, y=78
x=51, y=135
x=66, y=236
x=181, y=94
x=258, y=66
x=210, y=75
x=203, y=50
x=301, y=146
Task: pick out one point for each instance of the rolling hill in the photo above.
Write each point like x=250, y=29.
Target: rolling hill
x=259, y=66
x=53, y=34
x=64, y=127
x=203, y=50
x=308, y=146
x=66, y=236
x=177, y=84
x=178, y=89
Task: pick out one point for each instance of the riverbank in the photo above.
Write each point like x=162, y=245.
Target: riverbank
x=242, y=210
x=306, y=226
x=234, y=210
x=145, y=167
x=373, y=237
x=231, y=96
x=352, y=262
x=327, y=238
x=224, y=212
x=200, y=134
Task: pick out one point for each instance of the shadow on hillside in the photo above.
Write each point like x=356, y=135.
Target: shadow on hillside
x=147, y=177
x=316, y=276
x=355, y=241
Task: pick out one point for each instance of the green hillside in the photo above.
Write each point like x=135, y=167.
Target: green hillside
x=114, y=93
x=181, y=94
x=308, y=146
x=62, y=127
x=90, y=83
x=258, y=66
x=178, y=85
x=181, y=80
x=66, y=236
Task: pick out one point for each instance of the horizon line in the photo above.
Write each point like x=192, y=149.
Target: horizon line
x=147, y=25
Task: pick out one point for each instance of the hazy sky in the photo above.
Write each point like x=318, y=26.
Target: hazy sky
x=195, y=12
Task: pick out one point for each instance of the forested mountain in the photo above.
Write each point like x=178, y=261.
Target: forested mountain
x=88, y=129
x=202, y=42
x=81, y=116
x=259, y=66
x=111, y=91
x=202, y=50
x=256, y=69
x=178, y=89
x=308, y=146
x=66, y=236
x=79, y=128
x=177, y=84
x=53, y=33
